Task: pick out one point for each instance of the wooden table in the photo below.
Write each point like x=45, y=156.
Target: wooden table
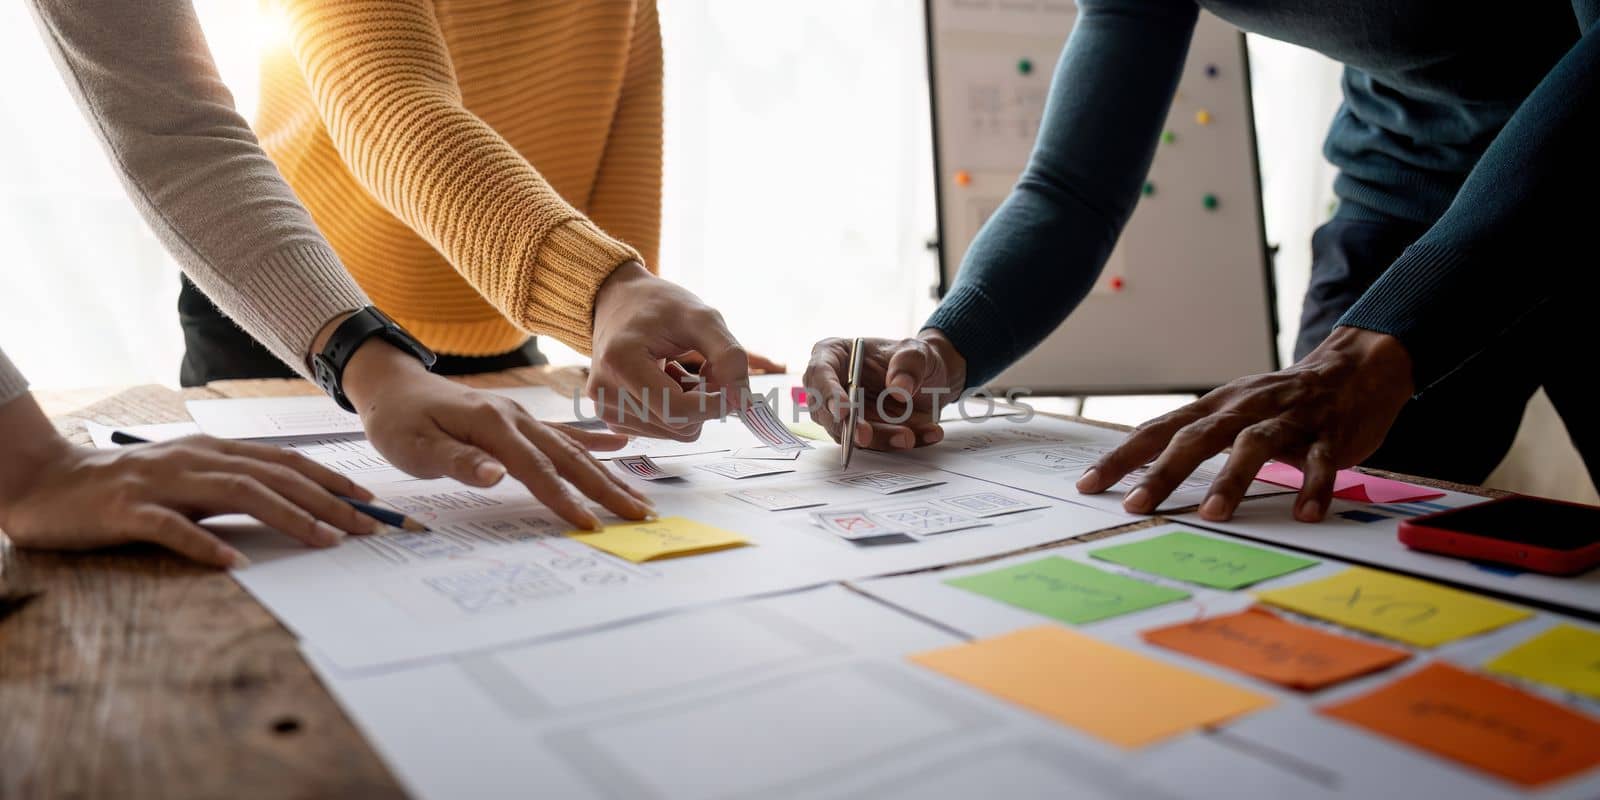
x=136, y=674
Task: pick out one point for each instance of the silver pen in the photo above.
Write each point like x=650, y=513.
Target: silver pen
x=852, y=385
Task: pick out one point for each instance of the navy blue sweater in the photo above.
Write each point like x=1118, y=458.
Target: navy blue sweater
x=1483, y=123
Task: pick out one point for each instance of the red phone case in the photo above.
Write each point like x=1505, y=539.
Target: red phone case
x=1416, y=534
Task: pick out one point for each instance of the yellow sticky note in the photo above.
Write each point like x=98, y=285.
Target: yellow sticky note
x=1103, y=690
x=806, y=429
x=667, y=537
x=1405, y=609
x=1566, y=656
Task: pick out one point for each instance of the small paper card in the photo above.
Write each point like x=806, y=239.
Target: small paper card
x=765, y=454
x=1204, y=560
x=743, y=469
x=760, y=419
x=1067, y=590
x=643, y=467
x=853, y=524
x=990, y=504
x=668, y=537
x=1260, y=643
x=1404, y=609
x=775, y=499
x=925, y=519
x=1479, y=722
x=886, y=482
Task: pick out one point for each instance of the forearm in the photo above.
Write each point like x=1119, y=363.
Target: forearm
x=1514, y=237
x=1038, y=256
x=29, y=439
x=143, y=75
x=385, y=89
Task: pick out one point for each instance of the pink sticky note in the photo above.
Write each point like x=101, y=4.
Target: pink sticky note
x=800, y=397
x=1351, y=485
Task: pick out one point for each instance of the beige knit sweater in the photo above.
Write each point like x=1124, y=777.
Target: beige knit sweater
x=144, y=77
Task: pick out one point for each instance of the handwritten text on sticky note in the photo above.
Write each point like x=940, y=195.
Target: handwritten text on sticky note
x=1206, y=560
x=1404, y=609
x=1479, y=722
x=662, y=538
x=1260, y=643
x=1067, y=590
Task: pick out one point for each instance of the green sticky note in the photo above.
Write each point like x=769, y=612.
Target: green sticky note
x=1067, y=590
x=1204, y=560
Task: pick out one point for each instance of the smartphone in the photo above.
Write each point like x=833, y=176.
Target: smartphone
x=1532, y=533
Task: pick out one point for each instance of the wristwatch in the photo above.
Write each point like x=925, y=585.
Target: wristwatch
x=327, y=367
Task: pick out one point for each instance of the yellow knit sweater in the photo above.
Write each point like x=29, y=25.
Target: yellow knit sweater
x=480, y=165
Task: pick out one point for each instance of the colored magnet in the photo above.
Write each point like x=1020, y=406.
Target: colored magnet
x=1025, y=66
x=963, y=178
x=1116, y=284
x=1169, y=137
x=1203, y=117
x=1211, y=70
x=1149, y=188
x=1209, y=201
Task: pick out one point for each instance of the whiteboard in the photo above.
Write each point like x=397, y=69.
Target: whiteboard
x=1185, y=302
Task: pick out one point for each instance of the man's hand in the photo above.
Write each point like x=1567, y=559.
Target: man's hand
x=430, y=426
x=642, y=323
x=57, y=496
x=908, y=381
x=1328, y=412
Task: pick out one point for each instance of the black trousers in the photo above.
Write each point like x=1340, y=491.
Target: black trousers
x=1460, y=428
x=215, y=349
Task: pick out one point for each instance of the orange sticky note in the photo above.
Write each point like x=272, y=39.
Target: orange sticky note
x=1260, y=643
x=1103, y=690
x=1479, y=722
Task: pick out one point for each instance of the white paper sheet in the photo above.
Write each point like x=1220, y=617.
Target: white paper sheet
x=1047, y=455
x=804, y=695
x=497, y=569
x=808, y=694
x=1369, y=534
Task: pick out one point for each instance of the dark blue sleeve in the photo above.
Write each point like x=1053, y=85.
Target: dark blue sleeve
x=1040, y=253
x=1516, y=236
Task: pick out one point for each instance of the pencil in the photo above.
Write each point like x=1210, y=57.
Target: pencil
x=393, y=519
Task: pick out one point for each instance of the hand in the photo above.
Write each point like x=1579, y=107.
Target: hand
x=58, y=496
x=642, y=323
x=430, y=426
x=1328, y=412
x=759, y=364
x=908, y=380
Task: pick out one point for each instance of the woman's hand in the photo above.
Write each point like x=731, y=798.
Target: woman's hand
x=58, y=496
x=1326, y=413
x=641, y=325
x=430, y=426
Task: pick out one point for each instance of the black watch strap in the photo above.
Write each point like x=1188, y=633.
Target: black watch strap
x=327, y=367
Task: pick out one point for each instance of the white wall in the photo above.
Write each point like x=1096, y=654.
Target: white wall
x=798, y=192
